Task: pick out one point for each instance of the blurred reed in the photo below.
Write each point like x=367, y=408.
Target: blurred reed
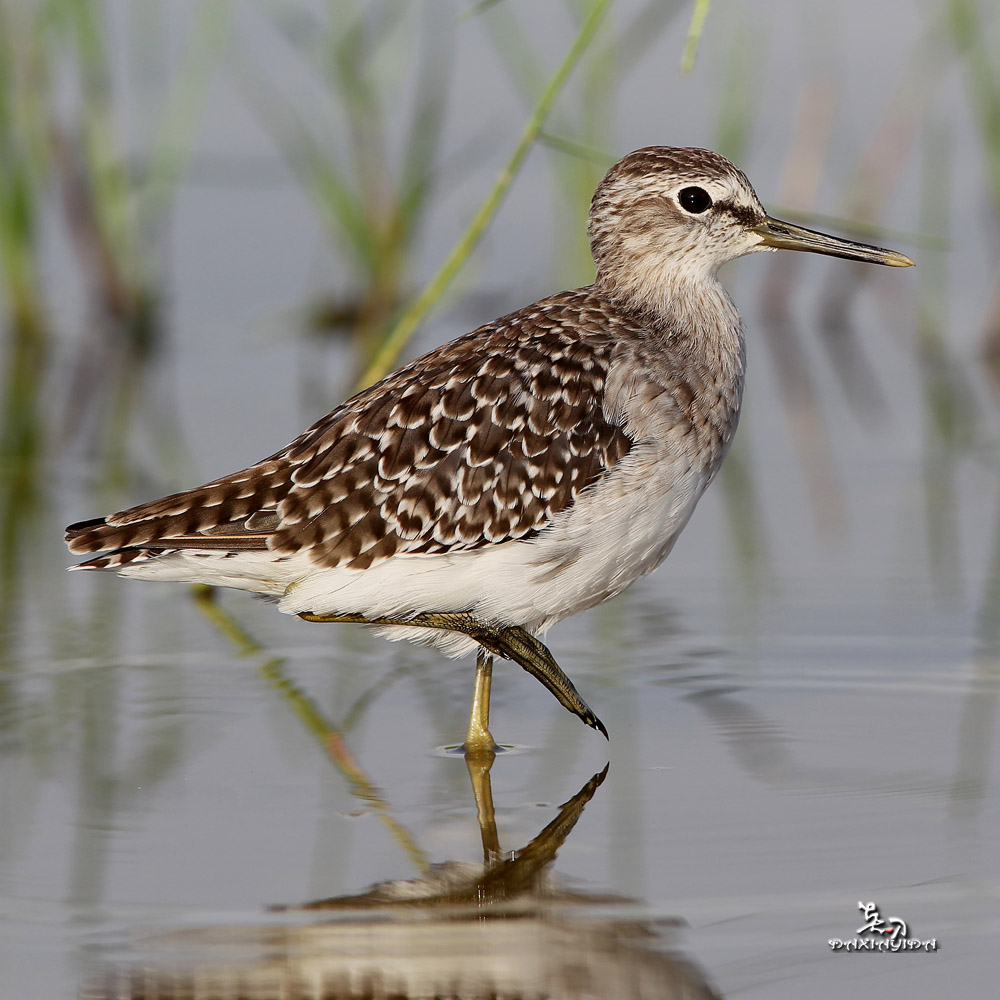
x=24, y=167
x=374, y=192
x=60, y=132
x=973, y=34
x=117, y=194
x=396, y=340
x=695, y=30
x=787, y=351
x=582, y=130
x=947, y=409
x=367, y=151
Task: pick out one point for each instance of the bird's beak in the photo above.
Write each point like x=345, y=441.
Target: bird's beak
x=786, y=236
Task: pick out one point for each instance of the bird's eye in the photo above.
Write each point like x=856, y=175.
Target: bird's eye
x=695, y=200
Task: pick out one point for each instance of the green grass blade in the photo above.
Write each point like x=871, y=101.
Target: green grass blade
x=393, y=345
x=695, y=29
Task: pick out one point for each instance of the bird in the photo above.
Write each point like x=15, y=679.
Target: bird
x=517, y=475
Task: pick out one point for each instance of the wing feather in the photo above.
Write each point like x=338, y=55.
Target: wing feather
x=479, y=442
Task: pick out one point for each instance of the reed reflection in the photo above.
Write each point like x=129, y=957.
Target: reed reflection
x=503, y=928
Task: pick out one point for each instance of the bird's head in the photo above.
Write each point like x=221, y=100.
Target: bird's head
x=664, y=215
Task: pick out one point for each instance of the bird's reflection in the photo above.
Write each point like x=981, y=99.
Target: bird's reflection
x=505, y=928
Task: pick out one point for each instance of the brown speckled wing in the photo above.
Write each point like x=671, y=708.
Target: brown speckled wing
x=479, y=442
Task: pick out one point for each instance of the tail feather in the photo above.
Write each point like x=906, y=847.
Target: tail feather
x=197, y=528
x=118, y=559
x=235, y=512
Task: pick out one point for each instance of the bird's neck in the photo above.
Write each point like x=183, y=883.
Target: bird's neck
x=691, y=312
x=691, y=344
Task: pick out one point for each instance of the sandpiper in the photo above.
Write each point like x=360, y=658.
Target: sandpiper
x=526, y=471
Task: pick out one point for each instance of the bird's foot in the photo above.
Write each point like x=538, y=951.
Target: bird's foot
x=509, y=641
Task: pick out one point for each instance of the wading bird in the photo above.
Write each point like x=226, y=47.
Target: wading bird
x=526, y=471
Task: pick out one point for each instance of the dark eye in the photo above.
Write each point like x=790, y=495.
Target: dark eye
x=695, y=200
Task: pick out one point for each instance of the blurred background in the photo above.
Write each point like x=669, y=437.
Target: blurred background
x=219, y=218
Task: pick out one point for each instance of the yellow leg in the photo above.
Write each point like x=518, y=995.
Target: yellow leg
x=478, y=740
x=509, y=641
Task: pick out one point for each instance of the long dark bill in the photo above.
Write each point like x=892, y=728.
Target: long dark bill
x=787, y=236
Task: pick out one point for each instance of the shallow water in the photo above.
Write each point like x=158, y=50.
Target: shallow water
x=802, y=701
x=838, y=747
